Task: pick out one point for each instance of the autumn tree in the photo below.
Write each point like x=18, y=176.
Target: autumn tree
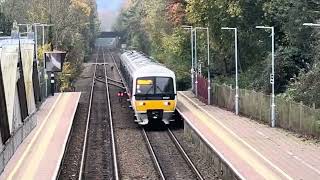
x=158, y=24
x=75, y=27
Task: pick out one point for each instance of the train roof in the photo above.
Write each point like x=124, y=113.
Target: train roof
x=142, y=65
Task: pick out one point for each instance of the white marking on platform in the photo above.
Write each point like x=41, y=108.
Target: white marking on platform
x=261, y=133
x=30, y=145
x=244, y=142
x=303, y=162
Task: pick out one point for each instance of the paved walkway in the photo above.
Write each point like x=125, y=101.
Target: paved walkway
x=40, y=154
x=255, y=150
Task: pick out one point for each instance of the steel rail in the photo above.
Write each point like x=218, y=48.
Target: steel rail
x=230, y=170
x=84, y=147
x=173, y=138
x=116, y=85
x=121, y=77
x=114, y=152
x=144, y=134
x=153, y=155
x=114, y=61
x=184, y=154
x=111, y=83
x=120, y=82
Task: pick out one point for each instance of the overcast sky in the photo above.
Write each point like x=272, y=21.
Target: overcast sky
x=108, y=11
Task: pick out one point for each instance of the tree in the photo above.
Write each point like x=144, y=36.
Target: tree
x=75, y=25
x=157, y=32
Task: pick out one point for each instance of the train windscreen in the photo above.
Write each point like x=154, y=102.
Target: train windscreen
x=164, y=85
x=155, y=87
x=145, y=86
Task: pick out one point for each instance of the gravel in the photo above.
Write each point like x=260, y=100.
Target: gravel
x=171, y=161
x=70, y=166
x=133, y=155
x=98, y=162
x=204, y=166
x=134, y=160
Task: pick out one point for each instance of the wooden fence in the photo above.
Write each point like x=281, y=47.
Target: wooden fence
x=289, y=115
x=202, y=88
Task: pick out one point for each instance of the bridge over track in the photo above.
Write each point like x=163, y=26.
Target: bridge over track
x=109, y=34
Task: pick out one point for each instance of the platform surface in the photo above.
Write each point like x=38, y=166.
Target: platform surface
x=40, y=154
x=255, y=150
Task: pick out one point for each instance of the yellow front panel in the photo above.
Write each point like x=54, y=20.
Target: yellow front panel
x=143, y=106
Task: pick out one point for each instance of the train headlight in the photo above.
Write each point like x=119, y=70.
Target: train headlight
x=142, y=103
x=166, y=103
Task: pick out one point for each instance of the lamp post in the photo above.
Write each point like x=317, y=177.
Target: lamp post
x=29, y=29
x=195, y=61
x=36, y=39
x=273, y=118
x=44, y=25
x=24, y=25
x=36, y=51
x=236, y=64
x=44, y=61
x=208, y=54
x=192, y=60
x=27, y=25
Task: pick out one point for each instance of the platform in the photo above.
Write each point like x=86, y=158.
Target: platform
x=255, y=150
x=40, y=154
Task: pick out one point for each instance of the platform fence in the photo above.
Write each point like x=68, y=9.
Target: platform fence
x=19, y=94
x=290, y=115
x=202, y=88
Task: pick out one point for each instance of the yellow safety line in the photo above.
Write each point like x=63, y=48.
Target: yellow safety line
x=66, y=137
x=41, y=149
x=219, y=129
x=30, y=145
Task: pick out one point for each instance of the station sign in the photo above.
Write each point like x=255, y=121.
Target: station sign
x=54, y=60
x=123, y=46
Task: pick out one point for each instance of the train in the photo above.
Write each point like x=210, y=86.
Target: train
x=151, y=88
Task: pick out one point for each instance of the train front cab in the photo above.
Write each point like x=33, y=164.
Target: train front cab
x=154, y=100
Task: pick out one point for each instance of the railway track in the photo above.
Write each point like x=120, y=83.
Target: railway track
x=99, y=155
x=167, y=163
x=178, y=158
x=142, y=164
x=169, y=157
x=99, y=159
x=95, y=153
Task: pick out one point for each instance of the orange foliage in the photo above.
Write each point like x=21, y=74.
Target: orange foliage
x=82, y=5
x=175, y=12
